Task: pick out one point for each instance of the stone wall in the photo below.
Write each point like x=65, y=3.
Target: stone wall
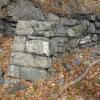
x=36, y=43
x=40, y=38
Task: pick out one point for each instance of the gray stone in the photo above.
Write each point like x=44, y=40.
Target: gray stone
x=1, y=51
x=76, y=31
x=98, y=32
x=73, y=43
x=19, y=43
x=7, y=26
x=16, y=88
x=13, y=71
x=91, y=28
x=41, y=26
x=1, y=73
x=96, y=50
x=36, y=28
x=94, y=37
x=38, y=46
x=24, y=10
x=32, y=74
x=98, y=17
x=67, y=66
x=1, y=34
x=94, y=55
x=61, y=81
x=52, y=70
x=77, y=61
x=3, y=2
x=87, y=62
x=24, y=28
x=59, y=30
x=29, y=60
x=84, y=23
x=1, y=80
x=52, y=17
x=58, y=44
x=92, y=18
x=84, y=40
x=97, y=24
x=7, y=81
x=14, y=81
x=11, y=81
x=68, y=22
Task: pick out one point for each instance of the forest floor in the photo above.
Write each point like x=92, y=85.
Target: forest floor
x=77, y=78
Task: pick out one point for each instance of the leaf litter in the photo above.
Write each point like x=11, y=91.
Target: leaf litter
x=55, y=87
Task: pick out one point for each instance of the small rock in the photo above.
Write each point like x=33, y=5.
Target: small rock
x=1, y=73
x=52, y=70
x=61, y=81
x=77, y=61
x=97, y=50
x=13, y=71
x=1, y=51
x=68, y=66
x=94, y=55
x=11, y=81
x=6, y=81
x=1, y=80
x=98, y=17
x=94, y=38
x=16, y=88
x=97, y=24
x=91, y=28
x=87, y=62
x=85, y=40
x=52, y=17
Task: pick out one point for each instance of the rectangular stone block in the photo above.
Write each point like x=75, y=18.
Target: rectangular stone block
x=24, y=28
x=19, y=43
x=38, y=46
x=32, y=74
x=76, y=31
x=46, y=46
x=33, y=27
x=58, y=44
x=29, y=60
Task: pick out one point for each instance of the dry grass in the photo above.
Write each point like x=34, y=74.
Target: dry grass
x=5, y=44
x=65, y=7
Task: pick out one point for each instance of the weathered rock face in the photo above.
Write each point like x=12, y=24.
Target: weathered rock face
x=24, y=10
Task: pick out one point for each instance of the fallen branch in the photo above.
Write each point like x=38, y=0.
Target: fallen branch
x=77, y=80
